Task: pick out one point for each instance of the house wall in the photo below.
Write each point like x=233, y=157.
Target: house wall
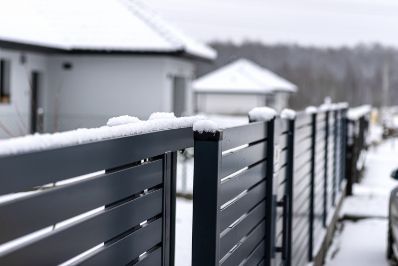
x=99, y=87
x=228, y=103
x=15, y=116
x=96, y=88
x=281, y=100
x=239, y=104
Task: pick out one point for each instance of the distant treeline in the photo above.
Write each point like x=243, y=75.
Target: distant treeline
x=355, y=75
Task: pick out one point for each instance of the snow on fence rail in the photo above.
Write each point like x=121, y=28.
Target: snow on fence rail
x=264, y=191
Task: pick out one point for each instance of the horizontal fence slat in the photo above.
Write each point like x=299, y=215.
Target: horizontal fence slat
x=44, y=167
x=256, y=256
x=129, y=247
x=303, y=133
x=302, y=147
x=57, y=204
x=236, y=185
x=66, y=242
x=237, y=136
x=242, y=158
x=300, y=163
x=249, y=251
x=302, y=119
x=154, y=258
x=282, y=141
x=282, y=158
x=233, y=235
x=281, y=126
x=232, y=212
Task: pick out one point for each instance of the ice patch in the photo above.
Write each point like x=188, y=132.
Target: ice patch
x=205, y=126
x=122, y=120
x=262, y=114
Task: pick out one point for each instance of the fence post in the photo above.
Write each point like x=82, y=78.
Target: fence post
x=335, y=140
x=270, y=202
x=349, y=156
x=343, y=144
x=289, y=191
x=326, y=167
x=312, y=187
x=169, y=206
x=206, y=205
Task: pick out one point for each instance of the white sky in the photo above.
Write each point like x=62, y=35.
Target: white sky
x=307, y=22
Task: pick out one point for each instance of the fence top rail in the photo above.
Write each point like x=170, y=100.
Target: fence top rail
x=35, y=168
x=358, y=112
x=43, y=142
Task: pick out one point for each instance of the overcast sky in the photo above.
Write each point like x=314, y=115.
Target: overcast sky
x=307, y=22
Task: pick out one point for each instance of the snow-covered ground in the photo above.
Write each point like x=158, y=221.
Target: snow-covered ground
x=183, y=233
x=363, y=242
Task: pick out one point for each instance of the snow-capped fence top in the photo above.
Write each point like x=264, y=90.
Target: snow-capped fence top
x=262, y=114
x=356, y=113
x=116, y=185
x=262, y=168
x=117, y=127
x=288, y=114
x=205, y=126
x=129, y=167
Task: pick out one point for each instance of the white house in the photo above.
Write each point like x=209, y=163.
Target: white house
x=238, y=87
x=66, y=64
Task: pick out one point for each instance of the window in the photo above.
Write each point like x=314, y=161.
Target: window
x=5, y=76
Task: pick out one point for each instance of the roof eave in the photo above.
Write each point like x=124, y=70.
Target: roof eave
x=47, y=49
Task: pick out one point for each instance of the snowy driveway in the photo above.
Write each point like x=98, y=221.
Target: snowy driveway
x=363, y=242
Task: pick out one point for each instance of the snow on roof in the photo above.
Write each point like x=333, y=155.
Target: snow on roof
x=242, y=76
x=93, y=25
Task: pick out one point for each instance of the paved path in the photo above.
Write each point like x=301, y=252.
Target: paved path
x=364, y=242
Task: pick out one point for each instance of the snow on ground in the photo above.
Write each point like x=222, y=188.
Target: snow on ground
x=183, y=251
x=363, y=242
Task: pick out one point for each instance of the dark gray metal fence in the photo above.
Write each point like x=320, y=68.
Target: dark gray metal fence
x=302, y=179
x=136, y=224
x=301, y=189
x=232, y=178
x=356, y=144
x=264, y=193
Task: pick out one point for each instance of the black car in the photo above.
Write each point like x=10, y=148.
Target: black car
x=392, y=239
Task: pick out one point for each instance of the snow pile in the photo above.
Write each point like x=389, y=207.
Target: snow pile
x=288, y=114
x=121, y=120
x=39, y=142
x=205, y=126
x=356, y=113
x=161, y=115
x=262, y=114
x=311, y=110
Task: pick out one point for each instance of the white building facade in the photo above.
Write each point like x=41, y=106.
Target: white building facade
x=60, y=84
x=236, y=88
